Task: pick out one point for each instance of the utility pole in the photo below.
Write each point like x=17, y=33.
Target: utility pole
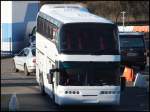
x=123, y=18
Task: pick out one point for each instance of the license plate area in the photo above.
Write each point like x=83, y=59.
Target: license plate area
x=132, y=54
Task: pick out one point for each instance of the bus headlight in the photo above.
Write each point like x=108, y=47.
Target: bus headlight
x=109, y=92
x=72, y=92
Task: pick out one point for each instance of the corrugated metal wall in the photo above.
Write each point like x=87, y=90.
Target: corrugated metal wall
x=17, y=20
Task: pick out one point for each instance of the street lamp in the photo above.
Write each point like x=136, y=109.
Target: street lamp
x=123, y=18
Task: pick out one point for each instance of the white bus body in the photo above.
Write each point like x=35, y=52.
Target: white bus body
x=53, y=21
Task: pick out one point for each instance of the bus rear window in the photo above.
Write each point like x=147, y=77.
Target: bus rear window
x=88, y=38
x=131, y=41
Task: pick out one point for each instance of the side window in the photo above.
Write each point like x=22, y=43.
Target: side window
x=39, y=24
x=54, y=32
x=47, y=29
x=42, y=26
x=26, y=52
x=50, y=30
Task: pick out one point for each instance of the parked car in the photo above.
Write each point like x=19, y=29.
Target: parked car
x=25, y=60
x=132, y=46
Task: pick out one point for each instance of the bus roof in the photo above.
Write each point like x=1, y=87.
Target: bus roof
x=71, y=13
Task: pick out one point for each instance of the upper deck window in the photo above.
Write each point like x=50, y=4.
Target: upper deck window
x=88, y=38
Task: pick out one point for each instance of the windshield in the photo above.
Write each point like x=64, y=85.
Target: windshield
x=89, y=74
x=127, y=41
x=88, y=38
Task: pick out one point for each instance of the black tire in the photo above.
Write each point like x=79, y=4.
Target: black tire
x=15, y=69
x=26, y=70
x=41, y=84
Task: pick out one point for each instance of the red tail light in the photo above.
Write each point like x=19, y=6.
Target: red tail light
x=34, y=60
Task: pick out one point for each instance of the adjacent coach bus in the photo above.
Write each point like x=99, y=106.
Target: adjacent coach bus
x=77, y=56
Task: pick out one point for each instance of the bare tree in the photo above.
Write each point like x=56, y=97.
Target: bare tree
x=135, y=10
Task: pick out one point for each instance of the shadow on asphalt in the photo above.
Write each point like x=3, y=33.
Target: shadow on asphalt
x=37, y=102
x=130, y=101
x=18, y=84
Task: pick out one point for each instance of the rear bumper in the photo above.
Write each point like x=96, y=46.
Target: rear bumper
x=101, y=100
x=102, y=95
x=31, y=69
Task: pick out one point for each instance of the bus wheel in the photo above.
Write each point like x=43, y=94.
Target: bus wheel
x=41, y=84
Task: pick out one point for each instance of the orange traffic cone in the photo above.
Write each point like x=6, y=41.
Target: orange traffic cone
x=128, y=74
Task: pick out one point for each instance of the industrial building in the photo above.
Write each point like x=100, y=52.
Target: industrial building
x=17, y=20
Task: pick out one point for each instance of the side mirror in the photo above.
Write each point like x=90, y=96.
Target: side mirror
x=49, y=77
x=53, y=70
x=123, y=83
x=51, y=74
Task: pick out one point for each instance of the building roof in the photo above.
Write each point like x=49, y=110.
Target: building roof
x=71, y=13
x=133, y=28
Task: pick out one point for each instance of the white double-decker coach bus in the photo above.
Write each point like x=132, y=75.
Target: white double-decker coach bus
x=77, y=56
